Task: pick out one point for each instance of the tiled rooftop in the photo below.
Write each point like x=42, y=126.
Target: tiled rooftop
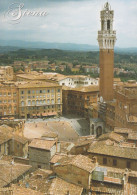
x=112, y=136
x=91, y=88
x=11, y=171
x=57, y=157
x=61, y=187
x=50, y=135
x=36, y=84
x=110, y=149
x=79, y=161
x=42, y=144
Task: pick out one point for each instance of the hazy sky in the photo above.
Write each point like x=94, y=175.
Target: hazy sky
x=69, y=21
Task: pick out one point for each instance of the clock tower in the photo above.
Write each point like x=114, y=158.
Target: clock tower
x=106, y=40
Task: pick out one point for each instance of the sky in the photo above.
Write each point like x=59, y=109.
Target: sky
x=66, y=21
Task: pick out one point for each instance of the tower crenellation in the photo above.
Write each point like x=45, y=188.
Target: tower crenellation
x=107, y=36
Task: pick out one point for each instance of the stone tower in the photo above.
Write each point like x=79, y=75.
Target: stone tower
x=106, y=40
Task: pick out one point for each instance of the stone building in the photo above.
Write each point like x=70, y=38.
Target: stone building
x=97, y=126
x=18, y=146
x=107, y=180
x=75, y=169
x=12, y=144
x=17, y=125
x=39, y=99
x=126, y=106
x=110, y=154
x=129, y=134
x=78, y=100
x=4, y=139
x=6, y=73
x=8, y=100
x=82, y=145
x=106, y=40
x=41, y=151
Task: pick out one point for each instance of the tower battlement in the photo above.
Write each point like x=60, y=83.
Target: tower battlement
x=106, y=36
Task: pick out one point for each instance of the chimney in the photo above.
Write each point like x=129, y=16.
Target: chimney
x=125, y=181
x=94, y=159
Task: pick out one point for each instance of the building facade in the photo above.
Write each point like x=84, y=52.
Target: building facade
x=8, y=100
x=39, y=99
x=78, y=100
x=126, y=106
x=6, y=73
x=41, y=151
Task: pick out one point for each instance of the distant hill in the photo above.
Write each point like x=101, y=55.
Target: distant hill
x=13, y=45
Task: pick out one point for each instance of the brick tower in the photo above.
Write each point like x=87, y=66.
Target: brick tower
x=106, y=40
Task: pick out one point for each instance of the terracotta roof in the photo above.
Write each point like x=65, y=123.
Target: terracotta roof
x=91, y=88
x=57, y=157
x=107, y=188
x=83, y=142
x=112, y=136
x=42, y=144
x=66, y=146
x=36, y=84
x=79, y=161
x=20, y=139
x=45, y=76
x=6, y=133
x=40, y=180
x=132, y=119
x=105, y=148
x=4, y=138
x=61, y=187
x=122, y=130
x=50, y=135
x=112, y=180
x=132, y=136
x=17, y=190
x=10, y=172
x=6, y=128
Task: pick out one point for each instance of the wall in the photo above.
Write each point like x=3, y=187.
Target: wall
x=121, y=162
x=106, y=73
x=73, y=174
x=41, y=157
x=36, y=103
x=18, y=149
x=4, y=149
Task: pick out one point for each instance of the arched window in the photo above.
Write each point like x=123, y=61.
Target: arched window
x=22, y=103
x=108, y=24
x=33, y=102
x=29, y=103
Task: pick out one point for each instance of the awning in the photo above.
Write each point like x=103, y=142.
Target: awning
x=11, y=118
x=52, y=113
x=44, y=114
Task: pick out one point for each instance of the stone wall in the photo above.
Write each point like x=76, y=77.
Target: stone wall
x=73, y=174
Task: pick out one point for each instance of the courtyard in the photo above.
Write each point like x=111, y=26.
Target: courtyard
x=68, y=128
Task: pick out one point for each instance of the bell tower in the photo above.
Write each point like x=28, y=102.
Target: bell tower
x=106, y=40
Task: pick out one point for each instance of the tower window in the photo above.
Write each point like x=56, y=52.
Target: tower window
x=102, y=25
x=108, y=24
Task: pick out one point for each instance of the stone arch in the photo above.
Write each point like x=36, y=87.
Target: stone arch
x=92, y=128
x=99, y=131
